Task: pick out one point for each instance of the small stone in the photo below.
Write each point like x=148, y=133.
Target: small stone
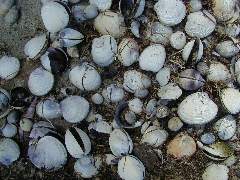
x=178, y=40
x=175, y=124
x=136, y=105
x=97, y=98
x=26, y=124
x=208, y=138
x=163, y=76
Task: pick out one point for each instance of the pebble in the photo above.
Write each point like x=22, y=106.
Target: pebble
x=175, y=124
x=208, y=138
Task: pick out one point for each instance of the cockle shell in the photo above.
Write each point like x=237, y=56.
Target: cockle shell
x=227, y=49
x=9, y=67
x=113, y=93
x=170, y=91
x=70, y=37
x=230, y=98
x=178, y=40
x=216, y=172
x=218, y=72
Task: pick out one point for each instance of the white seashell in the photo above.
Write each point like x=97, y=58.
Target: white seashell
x=200, y=24
x=5, y=99
x=218, y=72
x=120, y=142
x=87, y=166
x=134, y=81
x=170, y=12
x=226, y=127
x=195, y=5
x=208, y=138
x=175, y=124
x=162, y=111
x=178, y=40
x=74, y=108
x=48, y=109
x=102, y=5
x=111, y=159
x=5, y=5
x=197, y=108
x=40, y=82
x=90, y=11
x=83, y=12
x=159, y=33
x=9, y=151
x=77, y=142
x=13, y=117
x=97, y=98
x=232, y=30
x=151, y=108
x=113, y=93
x=203, y=68
x=152, y=58
x=141, y=93
x=36, y=46
x=216, y=172
x=227, y=49
x=163, y=76
x=12, y=16
x=10, y=130
x=194, y=48
x=130, y=117
x=111, y=23
x=85, y=77
x=70, y=37
x=130, y=167
x=55, y=16
x=100, y=126
x=51, y=157
x=135, y=28
x=128, y=51
x=41, y=128
x=135, y=105
x=230, y=98
x=154, y=136
x=26, y=124
x=45, y=61
x=170, y=91
x=104, y=50
x=9, y=67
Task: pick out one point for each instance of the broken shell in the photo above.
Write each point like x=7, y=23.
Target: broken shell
x=41, y=128
x=103, y=5
x=9, y=130
x=197, y=108
x=100, y=126
x=77, y=142
x=170, y=12
x=48, y=109
x=218, y=72
x=74, y=108
x=97, y=98
x=55, y=16
x=9, y=67
x=111, y=159
x=5, y=5
x=200, y=24
x=159, y=33
x=175, y=124
x=113, y=93
x=226, y=127
x=130, y=167
x=190, y=79
x=40, y=82
x=5, y=100
x=85, y=77
x=178, y=40
x=35, y=47
x=151, y=108
x=181, y=146
x=227, y=49
x=128, y=51
x=104, y=50
x=69, y=37
x=134, y=81
x=120, y=142
x=12, y=16
x=130, y=117
x=9, y=151
x=135, y=105
x=170, y=91
x=50, y=158
x=163, y=76
x=26, y=124
x=111, y=23
x=216, y=172
x=152, y=58
x=131, y=9
x=203, y=68
x=20, y=97
x=230, y=99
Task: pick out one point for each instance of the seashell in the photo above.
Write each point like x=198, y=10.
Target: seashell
x=232, y=30
x=120, y=142
x=111, y=23
x=216, y=172
x=152, y=58
x=227, y=49
x=5, y=100
x=154, y=136
x=193, y=51
x=208, y=138
x=48, y=109
x=40, y=82
x=226, y=127
x=9, y=151
x=87, y=166
x=175, y=124
x=203, y=68
x=128, y=51
x=134, y=80
x=135, y=105
x=190, y=79
x=151, y=108
x=82, y=12
x=135, y=28
x=197, y=108
x=159, y=33
x=36, y=46
x=40, y=129
x=131, y=9
x=100, y=126
x=218, y=151
x=195, y=5
x=13, y=117
x=102, y=5
x=73, y=52
x=200, y=24
x=20, y=97
x=218, y=72
x=170, y=12
x=113, y=93
x=9, y=130
x=162, y=111
x=77, y=142
x=74, y=108
x=170, y=91
x=9, y=67
x=97, y=98
x=130, y=117
x=26, y=124
x=43, y=157
x=5, y=6
x=69, y=37
x=130, y=167
x=85, y=77
x=111, y=159
x=141, y=93
x=104, y=50
x=163, y=76
x=178, y=40
x=181, y=146
x=55, y=16
x=230, y=99
x=3, y=122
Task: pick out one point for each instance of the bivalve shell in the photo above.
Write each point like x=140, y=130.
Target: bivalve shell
x=230, y=98
x=216, y=172
x=9, y=67
x=178, y=40
x=113, y=93
x=193, y=51
x=218, y=72
x=101, y=5
x=70, y=37
x=170, y=92
x=227, y=49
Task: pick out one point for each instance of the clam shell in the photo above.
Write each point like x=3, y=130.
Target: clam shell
x=216, y=172
x=9, y=130
x=5, y=100
x=9, y=67
x=230, y=98
x=69, y=37
x=102, y=5
x=224, y=9
x=113, y=93
x=163, y=76
x=218, y=72
x=227, y=49
x=170, y=91
x=178, y=40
